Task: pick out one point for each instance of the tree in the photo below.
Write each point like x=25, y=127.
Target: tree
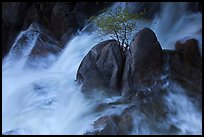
x=118, y=24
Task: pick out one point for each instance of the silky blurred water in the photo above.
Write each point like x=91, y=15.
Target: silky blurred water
x=48, y=101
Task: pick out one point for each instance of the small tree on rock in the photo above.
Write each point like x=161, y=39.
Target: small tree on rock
x=118, y=24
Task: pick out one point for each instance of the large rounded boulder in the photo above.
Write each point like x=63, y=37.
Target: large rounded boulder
x=144, y=61
x=102, y=67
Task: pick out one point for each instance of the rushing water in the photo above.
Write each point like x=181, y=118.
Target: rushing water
x=48, y=101
x=175, y=22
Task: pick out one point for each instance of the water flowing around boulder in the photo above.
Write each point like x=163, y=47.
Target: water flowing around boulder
x=95, y=87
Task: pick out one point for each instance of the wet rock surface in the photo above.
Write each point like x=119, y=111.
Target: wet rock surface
x=143, y=61
x=101, y=67
x=57, y=17
x=113, y=125
x=185, y=65
x=149, y=74
x=44, y=44
x=107, y=66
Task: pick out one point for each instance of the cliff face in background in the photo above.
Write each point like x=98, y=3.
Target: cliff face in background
x=61, y=18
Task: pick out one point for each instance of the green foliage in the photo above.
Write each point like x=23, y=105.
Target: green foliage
x=117, y=24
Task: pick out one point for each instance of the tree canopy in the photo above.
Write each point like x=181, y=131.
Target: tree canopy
x=118, y=23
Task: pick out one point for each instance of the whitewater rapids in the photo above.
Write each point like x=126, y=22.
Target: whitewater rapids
x=48, y=101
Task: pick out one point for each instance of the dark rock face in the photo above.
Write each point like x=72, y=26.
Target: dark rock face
x=195, y=6
x=57, y=17
x=107, y=67
x=185, y=65
x=153, y=8
x=15, y=16
x=46, y=46
x=101, y=67
x=143, y=62
x=11, y=22
x=23, y=44
x=34, y=44
x=113, y=124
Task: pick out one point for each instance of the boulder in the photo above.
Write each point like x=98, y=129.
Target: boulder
x=190, y=49
x=102, y=67
x=34, y=44
x=46, y=42
x=185, y=65
x=112, y=125
x=143, y=63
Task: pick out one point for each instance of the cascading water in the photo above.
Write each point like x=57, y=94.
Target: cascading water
x=20, y=51
x=47, y=101
x=175, y=22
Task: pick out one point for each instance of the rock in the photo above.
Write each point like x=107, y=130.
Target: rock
x=36, y=43
x=185, y=65
x=195, y=6
x=144, y=61
x=102, y=67
x=67, y=36
x=57, y=17
x=15, y=16
x=113, y=125
x=46, y=43
x=23, y=43
x=11, y=22
x=190, y=50
x=5, y=37
x=46, y=46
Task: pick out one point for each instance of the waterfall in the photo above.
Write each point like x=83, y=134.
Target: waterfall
x=183, y=117
x=48, y=101
x=20, y=50
x=175, y=22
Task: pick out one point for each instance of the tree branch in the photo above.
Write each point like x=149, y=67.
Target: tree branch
x=117, y=36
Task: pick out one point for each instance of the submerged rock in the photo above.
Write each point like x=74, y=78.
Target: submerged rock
x=113, y=125
x=102, y=67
